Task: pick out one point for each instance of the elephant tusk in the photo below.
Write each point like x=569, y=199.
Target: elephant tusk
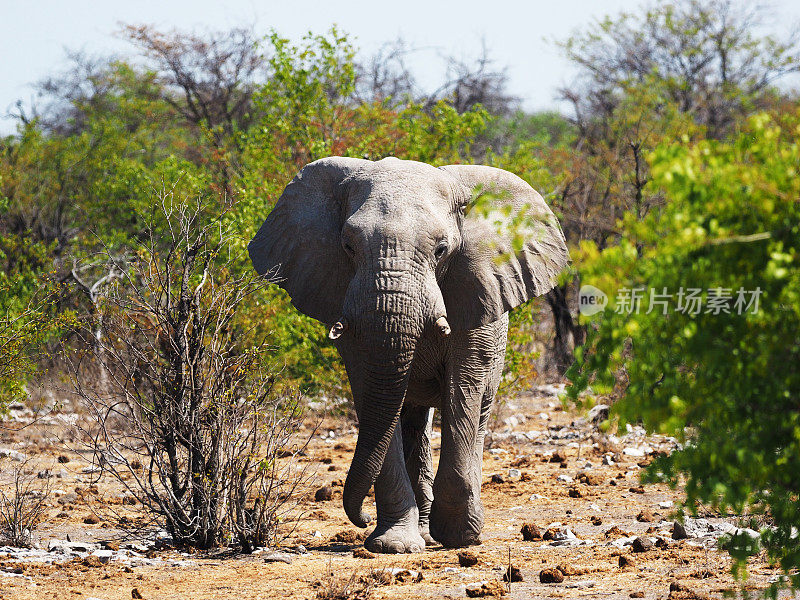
x=443, y=326
x=338, y=329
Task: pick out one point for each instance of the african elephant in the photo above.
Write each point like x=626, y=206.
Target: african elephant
x=416, y=289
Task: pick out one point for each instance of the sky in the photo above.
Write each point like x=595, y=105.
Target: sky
x=35, y=35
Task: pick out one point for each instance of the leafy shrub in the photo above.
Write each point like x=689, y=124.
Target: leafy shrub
x=723, y=380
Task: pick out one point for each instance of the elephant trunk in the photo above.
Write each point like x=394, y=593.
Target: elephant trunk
x=385, y=384
x=386, y=315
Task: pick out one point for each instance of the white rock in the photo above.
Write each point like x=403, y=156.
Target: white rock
x=751, y=533
x=65, y=547
x=568, y=543
x=598, y=413
x=544, y=416
x=105, y=556
x=665, y=504
x=565, y=478
x=632, y=451
x=397, y=570
x=13, y=454
x=514, y=473
x=588, y=583
x=551, y=389
x=622, y=542
x=538, y=497
x=594, y=507
x=568, y=535
x=283, y=557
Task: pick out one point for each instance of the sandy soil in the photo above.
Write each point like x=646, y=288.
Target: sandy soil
x=600, y=508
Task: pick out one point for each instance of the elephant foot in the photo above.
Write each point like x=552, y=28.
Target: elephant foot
x=425, y=532
x=400, y=537
x=455, y=530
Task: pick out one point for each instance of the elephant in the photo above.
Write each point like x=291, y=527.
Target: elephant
x=416, y=288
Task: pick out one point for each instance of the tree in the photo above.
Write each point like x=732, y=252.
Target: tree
x=466, y=83
x=56, y=169
x=703, y=56
x=716, y=373
x=385, y=76
x=27, y=316
x=683, y=69
x=208, y=78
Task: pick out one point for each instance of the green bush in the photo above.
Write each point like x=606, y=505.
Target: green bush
x=723, y=380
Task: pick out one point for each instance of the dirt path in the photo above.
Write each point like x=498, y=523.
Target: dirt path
x=542, y=466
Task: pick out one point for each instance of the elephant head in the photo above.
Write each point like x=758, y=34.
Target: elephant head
x=386, y=252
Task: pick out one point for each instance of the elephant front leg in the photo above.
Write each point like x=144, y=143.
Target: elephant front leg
x=416, y=422
x=473, y=378
x=398, y=517
x=457, y=516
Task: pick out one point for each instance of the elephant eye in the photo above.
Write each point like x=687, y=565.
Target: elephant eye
x=440, y=249
x=348, y=248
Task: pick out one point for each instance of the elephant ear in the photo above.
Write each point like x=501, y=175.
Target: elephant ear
x=299, y=246
x=489, y=276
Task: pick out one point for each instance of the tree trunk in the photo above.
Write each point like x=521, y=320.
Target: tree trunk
x=568, y=333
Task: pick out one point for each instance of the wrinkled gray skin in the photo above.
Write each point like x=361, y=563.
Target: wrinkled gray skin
x=381, y=251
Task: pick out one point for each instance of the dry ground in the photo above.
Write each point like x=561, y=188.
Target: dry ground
x=605, y=499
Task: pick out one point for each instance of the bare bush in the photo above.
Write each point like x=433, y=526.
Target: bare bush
x=357, y=585
x=23, y=504
x=208, y=78
x=386, y=76
x=188, y=418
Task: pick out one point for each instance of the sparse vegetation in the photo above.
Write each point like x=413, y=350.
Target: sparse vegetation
x=186, y=390
x=23, y=504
